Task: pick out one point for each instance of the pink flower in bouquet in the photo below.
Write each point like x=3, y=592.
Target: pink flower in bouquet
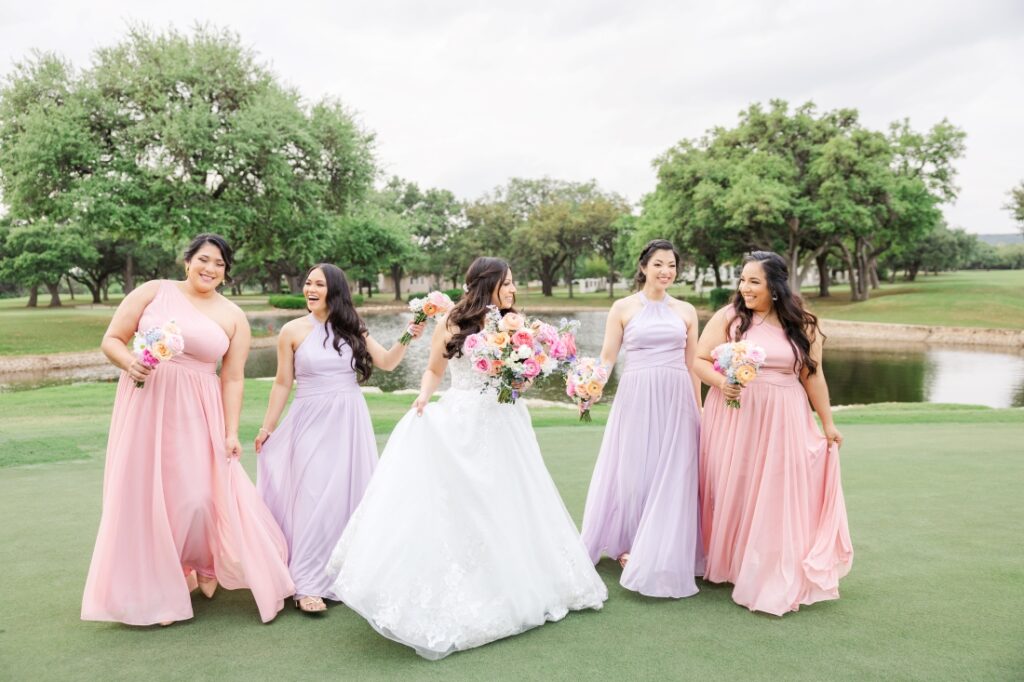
x=511, y=322
x=472, y=342
x=522, y=338
x=148, y=359
x=482, y=365
x=547, y=334
x=440, y=301
x=756, y=355
x=570, y=345
x=530, y=368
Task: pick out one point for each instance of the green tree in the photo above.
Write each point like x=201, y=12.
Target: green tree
x=40, y=253
x=1016, y=205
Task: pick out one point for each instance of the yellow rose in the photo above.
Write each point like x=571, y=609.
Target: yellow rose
x=745, y=374
x=498, y=340
x=162, y=351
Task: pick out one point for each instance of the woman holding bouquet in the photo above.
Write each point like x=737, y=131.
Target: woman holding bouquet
x=642, y=505
x=461, y=537
x=314, y=468
x=773, y=516
x=179, y=511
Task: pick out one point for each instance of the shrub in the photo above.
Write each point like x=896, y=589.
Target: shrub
x=298, y=302
x=719, y=297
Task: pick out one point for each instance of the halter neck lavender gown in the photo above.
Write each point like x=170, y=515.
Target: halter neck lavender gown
x=315, y=467
x=643, y=496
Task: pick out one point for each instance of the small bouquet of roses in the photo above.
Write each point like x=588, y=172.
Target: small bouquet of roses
x=433, y=304
x=157, y=345
x=739, y=361
x=511, y=350
x=584, y=383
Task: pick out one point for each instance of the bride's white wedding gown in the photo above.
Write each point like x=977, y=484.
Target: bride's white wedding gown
x=462, y=537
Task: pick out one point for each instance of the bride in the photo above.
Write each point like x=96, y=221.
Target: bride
x=461, y=537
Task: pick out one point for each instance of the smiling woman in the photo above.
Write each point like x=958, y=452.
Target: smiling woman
x=179, y=512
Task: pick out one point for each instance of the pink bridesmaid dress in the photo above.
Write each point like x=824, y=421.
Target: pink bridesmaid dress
x=173, y=503
x=773, y=518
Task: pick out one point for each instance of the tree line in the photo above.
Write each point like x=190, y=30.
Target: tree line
x=107, y=170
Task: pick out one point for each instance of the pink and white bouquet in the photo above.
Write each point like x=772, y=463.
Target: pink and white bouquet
x=511, y=351
x=433, y=304
x=157, y=344
x=739, y=361
x=584, y=383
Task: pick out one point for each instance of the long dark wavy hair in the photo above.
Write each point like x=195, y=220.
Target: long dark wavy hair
x=467, y=316
x=645, y=256
x=800, y=325
x=344, y=321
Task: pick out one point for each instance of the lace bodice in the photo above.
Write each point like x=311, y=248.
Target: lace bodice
x=464, y=377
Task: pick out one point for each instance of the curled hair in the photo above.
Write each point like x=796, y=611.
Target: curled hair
x=645, y=256
x=800, y=325
x=344, y=321
x=226, y=251
x=485, y=274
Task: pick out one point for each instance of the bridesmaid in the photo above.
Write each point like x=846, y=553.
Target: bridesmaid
x=178, y=509
x=774, y=519
x=642, y=505
x=313, y=470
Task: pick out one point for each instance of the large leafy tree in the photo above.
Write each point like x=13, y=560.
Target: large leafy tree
x=1016, y=205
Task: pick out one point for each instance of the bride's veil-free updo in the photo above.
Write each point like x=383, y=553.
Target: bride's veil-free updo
x=485, y=274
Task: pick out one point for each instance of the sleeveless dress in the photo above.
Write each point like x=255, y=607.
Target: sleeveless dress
x=314, y=469
x=774, y=517
x=643, y=495
x=462, y=537
x=173, y=502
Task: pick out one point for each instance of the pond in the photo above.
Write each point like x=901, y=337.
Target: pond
x=856, y=375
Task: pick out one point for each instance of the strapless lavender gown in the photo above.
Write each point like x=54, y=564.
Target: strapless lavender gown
x=643, y=496
x=315, y=467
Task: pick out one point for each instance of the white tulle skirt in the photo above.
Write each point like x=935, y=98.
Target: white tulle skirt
x=462, y=538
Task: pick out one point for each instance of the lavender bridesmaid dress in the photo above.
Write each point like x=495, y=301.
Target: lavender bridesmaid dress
x=315, y=467
x=643, y=496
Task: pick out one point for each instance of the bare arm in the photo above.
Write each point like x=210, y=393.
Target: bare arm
x=817, y=393
x=283, y=380
x=123, y=326
x=691, y=351
x=436, y=365
x=613, y=330
x=715, y=333
x=389, y=358
x=232, y=382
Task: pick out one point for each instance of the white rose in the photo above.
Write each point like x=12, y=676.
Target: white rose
x=524, y=351
x=416, y=304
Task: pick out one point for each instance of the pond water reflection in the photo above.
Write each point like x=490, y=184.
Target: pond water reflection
x=856, y=375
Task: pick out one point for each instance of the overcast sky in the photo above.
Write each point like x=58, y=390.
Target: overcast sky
x=464, y=95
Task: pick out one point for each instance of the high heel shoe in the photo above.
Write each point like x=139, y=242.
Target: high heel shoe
x=207, y=586
x=623, y=559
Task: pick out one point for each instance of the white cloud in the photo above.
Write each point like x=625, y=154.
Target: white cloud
x=464, y=95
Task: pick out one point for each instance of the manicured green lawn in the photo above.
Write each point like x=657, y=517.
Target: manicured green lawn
x=972, y=298
x=935, y=591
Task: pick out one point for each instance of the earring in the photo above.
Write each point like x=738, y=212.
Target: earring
x=775, y=298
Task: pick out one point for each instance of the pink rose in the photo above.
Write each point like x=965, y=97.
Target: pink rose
x=522, y=338
x=512, y=321
x=482, y=365
x=756, y=355
x=557, y=350
x=472, y=342
x=148, y=359
x=570, y=388
x=530, y=368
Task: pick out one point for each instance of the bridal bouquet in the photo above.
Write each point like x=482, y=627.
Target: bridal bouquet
x=435, y=303
x=511, y=351
x=157, y=345
x=739, y=361
x=584, y=383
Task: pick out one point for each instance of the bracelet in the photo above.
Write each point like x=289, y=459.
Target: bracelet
x=263, y=429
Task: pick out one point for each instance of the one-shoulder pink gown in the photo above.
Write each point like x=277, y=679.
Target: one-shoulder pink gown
x=173, y=503
x=773, y=515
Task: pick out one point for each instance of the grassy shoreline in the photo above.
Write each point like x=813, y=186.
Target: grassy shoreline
x=970, y=299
